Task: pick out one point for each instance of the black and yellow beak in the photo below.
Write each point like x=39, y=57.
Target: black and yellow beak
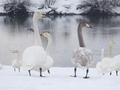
x=42, y=34
x=42, y=16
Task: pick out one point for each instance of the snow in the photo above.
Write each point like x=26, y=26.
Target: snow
x=62, y=6
x=59, y=79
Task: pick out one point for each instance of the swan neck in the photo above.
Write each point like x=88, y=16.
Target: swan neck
x=110, y=50
x=80, y=36
x=48, y=45
x=102, y=54
x=18, y=56
x=38, y=41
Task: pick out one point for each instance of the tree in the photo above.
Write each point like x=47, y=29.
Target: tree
x=99, y=7
x=16, y=7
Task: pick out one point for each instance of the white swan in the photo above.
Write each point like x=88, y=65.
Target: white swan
x=17, y=63
x=99, y=64
x=49, y=62
x=82, y=57
x=34, y=56
x=106, y=61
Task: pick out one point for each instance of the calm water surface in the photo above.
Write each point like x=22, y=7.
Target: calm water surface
x=14, y=34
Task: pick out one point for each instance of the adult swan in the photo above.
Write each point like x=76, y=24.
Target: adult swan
x=34, y=56
x=82, y=57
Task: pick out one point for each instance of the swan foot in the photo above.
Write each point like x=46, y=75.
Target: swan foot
x=48, y=71
x=42, y=76
x=73, y=76
x=116, y=73
x=86, y=77
x=41, y=72
x=75, y=69
x=29, y=72
x=110, y=73
x=14, y=70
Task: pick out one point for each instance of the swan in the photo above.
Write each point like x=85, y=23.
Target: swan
x=17, y=63
x=49, y=62
x=82, y=57
x=106, y=60
x=34, y=56
x=99, y=64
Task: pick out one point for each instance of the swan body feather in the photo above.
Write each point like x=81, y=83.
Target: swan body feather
x=33, y=58
x=115, y=64
x=82, y=57
x=48, y=64
x=16, y=63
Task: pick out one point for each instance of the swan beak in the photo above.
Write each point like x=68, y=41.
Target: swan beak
x=88, y=25
x=42, y=15
x=42, y=34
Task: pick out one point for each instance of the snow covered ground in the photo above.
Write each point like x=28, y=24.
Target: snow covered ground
x=59, y=79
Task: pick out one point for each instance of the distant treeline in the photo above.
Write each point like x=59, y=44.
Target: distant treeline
x=90, y=7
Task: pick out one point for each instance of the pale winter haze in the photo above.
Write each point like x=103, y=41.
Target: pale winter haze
x=59, y=77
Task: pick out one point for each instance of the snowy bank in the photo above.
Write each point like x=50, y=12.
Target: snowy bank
x=60, y=6
x=59, y=79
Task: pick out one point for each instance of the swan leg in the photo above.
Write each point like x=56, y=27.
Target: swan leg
x=116, y=73
x=14, y=69
x=75, y=69
x=86, y=74
x=41, y=72
x=19, y=69
x=29, y=73
x=48, y=71
x=110, y=73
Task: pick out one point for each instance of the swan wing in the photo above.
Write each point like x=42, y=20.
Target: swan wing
x=99, y=68
x=48, y=64
x=82, y=57
x=16, y=63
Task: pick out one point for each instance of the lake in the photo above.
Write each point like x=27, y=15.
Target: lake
x=15, y=33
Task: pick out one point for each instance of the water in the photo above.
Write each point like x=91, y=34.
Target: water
x=14, y=34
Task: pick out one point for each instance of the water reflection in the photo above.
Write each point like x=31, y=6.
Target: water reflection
x=14, y=34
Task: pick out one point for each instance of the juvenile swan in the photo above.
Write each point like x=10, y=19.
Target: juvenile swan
x=34, y=56
x=17, y=63
x=82, y=57
x=49, y=62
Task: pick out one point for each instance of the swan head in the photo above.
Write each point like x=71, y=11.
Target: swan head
x=84, y=24
x=45, y=34
x=38, y=15
x=15, y=51
x=112, y=42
